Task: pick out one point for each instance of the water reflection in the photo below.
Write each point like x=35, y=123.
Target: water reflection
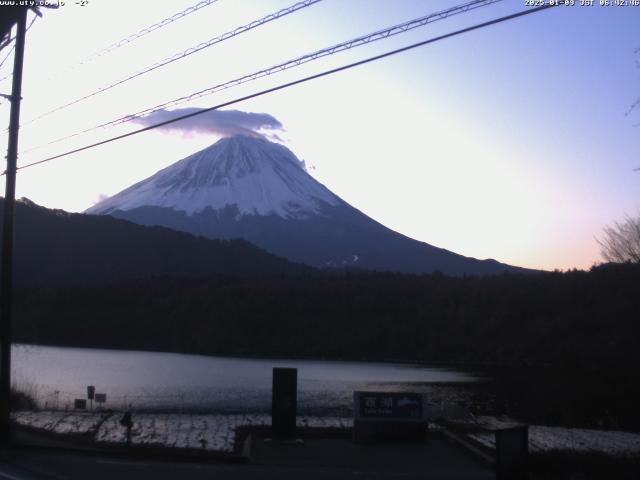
x=55, y=376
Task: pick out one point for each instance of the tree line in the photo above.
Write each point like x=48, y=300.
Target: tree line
x=567, y=318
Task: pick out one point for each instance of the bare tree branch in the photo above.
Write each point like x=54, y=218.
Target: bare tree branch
x=621, y=241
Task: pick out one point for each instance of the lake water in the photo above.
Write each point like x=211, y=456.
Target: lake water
x=152, y=380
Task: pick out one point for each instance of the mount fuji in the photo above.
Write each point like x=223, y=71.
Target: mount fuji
x=251, y=188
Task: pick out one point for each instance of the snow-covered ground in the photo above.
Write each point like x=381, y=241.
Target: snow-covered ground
x=547, y=439
x=209, y=432
x=543, y=439
x=78, y=423
x=217, y=432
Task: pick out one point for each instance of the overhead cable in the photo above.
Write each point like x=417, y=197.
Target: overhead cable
x=325, y=73
x=13, y=47
x=145, y=31
x=180, y=55
x=349, y=44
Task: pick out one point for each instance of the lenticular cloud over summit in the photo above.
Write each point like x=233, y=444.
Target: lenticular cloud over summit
x=225, y=123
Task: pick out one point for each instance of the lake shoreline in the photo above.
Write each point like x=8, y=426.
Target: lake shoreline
x=568, y=397
x=57, y=376
x=458, y=365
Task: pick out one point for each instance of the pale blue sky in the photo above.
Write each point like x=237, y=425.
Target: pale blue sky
x=510, y=142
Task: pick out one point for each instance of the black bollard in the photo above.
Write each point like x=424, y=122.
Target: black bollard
x=284, y=403
x=512, y=451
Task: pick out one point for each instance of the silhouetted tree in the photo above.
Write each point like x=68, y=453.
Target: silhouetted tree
x=621, y=241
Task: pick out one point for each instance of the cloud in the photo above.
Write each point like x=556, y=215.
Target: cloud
x=225, y=123
x=101, y=197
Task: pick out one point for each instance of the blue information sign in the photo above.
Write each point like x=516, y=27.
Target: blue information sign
x=390, y=405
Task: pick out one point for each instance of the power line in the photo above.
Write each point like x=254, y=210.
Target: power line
x=5, y=59
x=152, y=28
x=352, y=43
x=355, y=42
x=325, y=73
x=142, y=33
x=7, y=41
x=13, y=47
x=180, y=55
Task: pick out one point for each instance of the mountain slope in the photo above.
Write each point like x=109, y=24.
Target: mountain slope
x=257, y=176
x=244, y=187
x=56, y=247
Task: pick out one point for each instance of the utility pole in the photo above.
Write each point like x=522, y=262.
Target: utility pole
x=6, y=275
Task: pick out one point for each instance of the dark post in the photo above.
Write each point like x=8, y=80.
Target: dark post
x=512, y=451
x=284, y=403
x=91, y=393
x=127, y=422
x=6, y=289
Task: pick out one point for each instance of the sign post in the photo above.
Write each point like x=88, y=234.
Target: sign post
x=101, y=399
x=91, y=391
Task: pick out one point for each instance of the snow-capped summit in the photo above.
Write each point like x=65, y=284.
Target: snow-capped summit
x=250, y=188
x=259, y=177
